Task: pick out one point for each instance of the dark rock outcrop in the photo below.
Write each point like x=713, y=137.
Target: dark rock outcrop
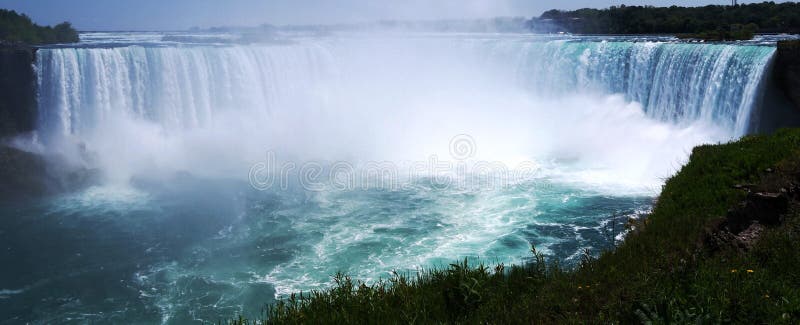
x=17, y=89
x=743, y=225
x=787, y=70
x=765, y=205
x=22, y=174
x=28, y=175
x=764, y=208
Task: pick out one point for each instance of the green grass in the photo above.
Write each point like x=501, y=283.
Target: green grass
x=660, y=274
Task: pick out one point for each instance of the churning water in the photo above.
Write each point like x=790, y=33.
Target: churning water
x=236, y=173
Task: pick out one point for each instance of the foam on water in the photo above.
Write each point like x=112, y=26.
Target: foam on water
x=371, y=98
x=175, y=127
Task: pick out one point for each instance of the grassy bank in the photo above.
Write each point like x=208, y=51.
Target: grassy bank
x=676, y=266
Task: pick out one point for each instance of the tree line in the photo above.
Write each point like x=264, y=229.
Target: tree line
x=16, y=27
x=739, y=21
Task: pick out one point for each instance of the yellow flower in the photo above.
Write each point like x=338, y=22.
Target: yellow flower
x=750, y=271
x=733, y=271
x=579, y=287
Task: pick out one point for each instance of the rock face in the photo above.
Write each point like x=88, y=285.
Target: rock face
x=28, y=175
x=743, y=225
x=764, y=206
x=17, y=89
x=787, y=69
x=23, y=174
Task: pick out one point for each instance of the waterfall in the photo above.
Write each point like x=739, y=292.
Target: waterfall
x=538, y=141
x=176, y=87
x=675, y=82
x=187, y=86
x=213, y=109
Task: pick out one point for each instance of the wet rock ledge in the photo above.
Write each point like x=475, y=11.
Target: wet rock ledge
x=17, y=89
x=787, y=70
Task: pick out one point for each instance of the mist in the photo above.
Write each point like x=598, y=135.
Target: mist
x=175, y=223
x=356, y=99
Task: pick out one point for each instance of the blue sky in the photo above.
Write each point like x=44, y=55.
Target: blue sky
x=182, y=14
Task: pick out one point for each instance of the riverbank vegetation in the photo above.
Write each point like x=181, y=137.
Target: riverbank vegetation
x=713, y=21
x=19, y=28
x=719, y=246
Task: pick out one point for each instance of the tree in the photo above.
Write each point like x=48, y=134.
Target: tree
x=16, y=27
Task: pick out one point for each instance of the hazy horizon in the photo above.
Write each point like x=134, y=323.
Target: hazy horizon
x=154, y=15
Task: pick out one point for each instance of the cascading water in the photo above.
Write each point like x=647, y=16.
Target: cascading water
x=186, y=86
x=675, y=82
x=175, y=232
x=175, y=87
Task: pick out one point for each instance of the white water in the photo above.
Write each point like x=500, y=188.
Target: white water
x=212, y=110
x=175, y=129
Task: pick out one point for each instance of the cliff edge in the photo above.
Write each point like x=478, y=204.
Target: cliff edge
x=787, y=70
x=17, y=89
